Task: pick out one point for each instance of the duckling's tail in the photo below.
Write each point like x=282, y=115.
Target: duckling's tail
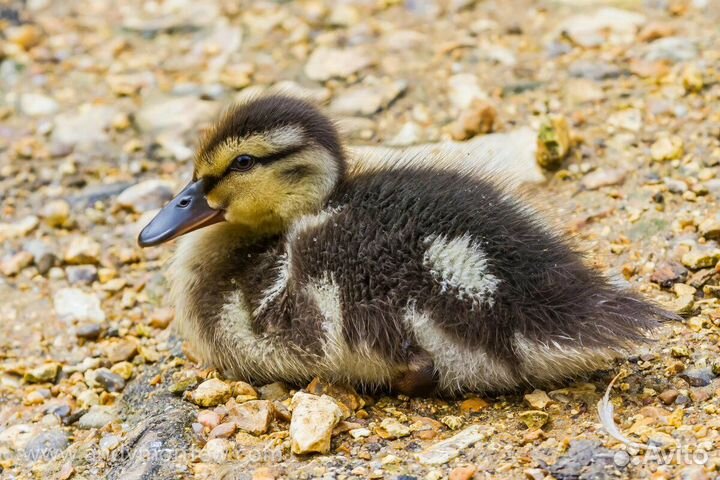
x=610, y=323
x=624, y=316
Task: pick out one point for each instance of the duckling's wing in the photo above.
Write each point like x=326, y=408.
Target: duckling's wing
x=455, y=266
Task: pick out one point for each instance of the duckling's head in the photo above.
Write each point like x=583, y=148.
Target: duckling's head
x=264, y=164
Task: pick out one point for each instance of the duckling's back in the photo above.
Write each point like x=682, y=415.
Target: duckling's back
x=453, y=278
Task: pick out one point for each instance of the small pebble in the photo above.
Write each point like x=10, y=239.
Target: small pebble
x=73, y=304
x=253, y=416
x=553, y=143
x=313, y=420
x=698, y=377
x=534, y=419
x=679, y=352
x=109, y=381
x=56, y=214
x=223, y=430
x=82, y=250
x=208, y=419
x=109, y=442
x=97, y=417
x=210, y=393
x=216, y=450
x=538, y=399
x=89, y=331
x=667, y=148
x=274, y=391
x=162, y=317
x=391, y=428
x=123, y=369
x=462, y=473
x=473, y=405
x=44, y=373
x=478, y=118
x=11, y=266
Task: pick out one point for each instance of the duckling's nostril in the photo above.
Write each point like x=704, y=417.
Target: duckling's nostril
x=185, y=202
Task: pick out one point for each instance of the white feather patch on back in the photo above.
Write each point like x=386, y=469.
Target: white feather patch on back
x=461, y=264
x=459, y=368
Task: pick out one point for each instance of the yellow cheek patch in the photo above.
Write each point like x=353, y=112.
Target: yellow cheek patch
x=249, y=199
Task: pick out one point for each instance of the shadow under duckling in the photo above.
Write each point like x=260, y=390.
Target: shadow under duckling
x=412, y=277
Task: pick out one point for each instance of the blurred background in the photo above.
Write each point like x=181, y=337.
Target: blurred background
x=610, y=109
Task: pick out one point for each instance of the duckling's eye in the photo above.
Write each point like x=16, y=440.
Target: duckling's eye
x=242, y=163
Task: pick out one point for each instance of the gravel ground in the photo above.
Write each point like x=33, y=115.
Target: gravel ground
x=100, y=107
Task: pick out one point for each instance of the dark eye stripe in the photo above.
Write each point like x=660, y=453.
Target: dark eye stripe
x=274, y=157
x=211, y=181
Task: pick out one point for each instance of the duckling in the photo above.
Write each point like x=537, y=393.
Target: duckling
x=414, y=278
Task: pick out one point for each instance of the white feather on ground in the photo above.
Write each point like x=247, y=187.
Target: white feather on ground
x=606, y=413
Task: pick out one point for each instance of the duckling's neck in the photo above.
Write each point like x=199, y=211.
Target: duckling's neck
x=214, y=263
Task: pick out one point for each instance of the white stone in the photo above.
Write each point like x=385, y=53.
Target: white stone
x=216, y=450
x=109, y=442
x=464, y=89
x=72, y=304
x=97, y=417
x=673, y=49
x=629, y=119
x=409, y=134
x=288, y=87
x=603, y=178
x=326, y=63
x=147, y=195
x=510, y=154
x=83, y=250
x=498, y=53
x=56, y=213
x=403, y=40
x=87, y=126
x=357, y=433
x=175, y=145
x=19, y=228
x=606, y=25
x=176, y=114
x=444, y=451
x=369, y=98
x=312, y=423
x=393, y=428
x=88, y=398
x=174, y=14
x=17, y=436
x=37, y=105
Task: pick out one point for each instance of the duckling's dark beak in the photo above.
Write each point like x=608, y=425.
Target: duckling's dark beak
x=186, y=212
